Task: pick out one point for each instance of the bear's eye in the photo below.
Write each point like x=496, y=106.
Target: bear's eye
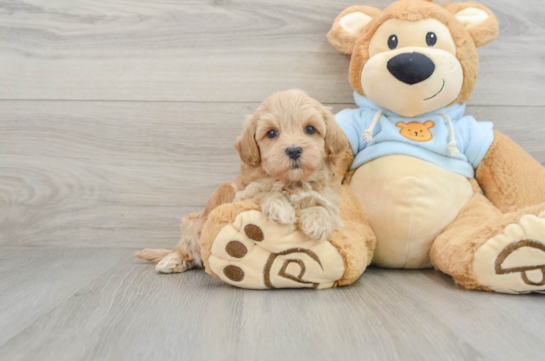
x=392, y=42
x=431, y=39
x=271, y=134
x=310, y=130
x=420, y=130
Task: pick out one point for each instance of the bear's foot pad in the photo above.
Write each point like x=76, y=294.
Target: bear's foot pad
x=253, y=252
x=514, y=261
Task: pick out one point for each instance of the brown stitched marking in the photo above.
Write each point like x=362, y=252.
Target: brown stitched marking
x=236, y=249
x=287, y=262
x=299, y=278
x=272, y=258
x=254, y=232
x=234, y=273
x=308, y=252
x=531, y=283
x=512, y=248
x=282, y=272
x=267, y=270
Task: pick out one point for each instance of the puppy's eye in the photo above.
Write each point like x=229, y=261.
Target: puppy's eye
x=431, y=39
x=310, y=130
x=271, y=134
x=392, y=42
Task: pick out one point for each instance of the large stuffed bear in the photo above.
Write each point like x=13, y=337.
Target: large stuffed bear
x=425, y=185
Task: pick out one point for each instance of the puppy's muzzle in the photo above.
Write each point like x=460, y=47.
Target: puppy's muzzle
x=294, y=153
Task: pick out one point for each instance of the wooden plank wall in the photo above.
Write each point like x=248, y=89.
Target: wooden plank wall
x=116, y=119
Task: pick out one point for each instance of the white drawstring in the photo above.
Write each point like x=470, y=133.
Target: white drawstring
x=452, y=145
x=368, y=134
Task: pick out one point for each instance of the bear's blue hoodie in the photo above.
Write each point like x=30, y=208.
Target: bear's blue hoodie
x=459, y=149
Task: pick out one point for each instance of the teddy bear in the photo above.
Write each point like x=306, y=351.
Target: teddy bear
x=425, y=185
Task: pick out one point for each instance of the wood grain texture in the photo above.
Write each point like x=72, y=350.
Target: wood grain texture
x=35, y=281
x=122, y=174
x=128, y=312
x=224, y=51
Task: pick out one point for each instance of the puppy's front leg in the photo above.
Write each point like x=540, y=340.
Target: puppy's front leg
x=317, y=222
x=278, y=209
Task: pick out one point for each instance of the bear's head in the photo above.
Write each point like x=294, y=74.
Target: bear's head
x=415, y=56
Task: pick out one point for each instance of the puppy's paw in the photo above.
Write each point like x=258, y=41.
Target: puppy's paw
x=278, y=210
x=317, y=223
x=173, y=263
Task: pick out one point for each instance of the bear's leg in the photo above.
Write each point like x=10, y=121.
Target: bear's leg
x=485, y=249
x=510, y=177
x=243, y=248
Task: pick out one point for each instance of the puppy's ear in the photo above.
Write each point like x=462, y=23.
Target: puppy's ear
x=479, y=21
x=349, y=25
x=336, y=142
x=246, y=144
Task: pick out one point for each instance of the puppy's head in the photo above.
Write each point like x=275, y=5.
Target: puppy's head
x=291, y=136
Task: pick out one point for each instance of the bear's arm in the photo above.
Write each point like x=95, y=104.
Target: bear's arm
x=354, y=122
x=509, y=177
x=346, y=163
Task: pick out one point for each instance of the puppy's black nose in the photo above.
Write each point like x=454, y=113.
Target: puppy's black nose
x=294, y=152
x=411, y=68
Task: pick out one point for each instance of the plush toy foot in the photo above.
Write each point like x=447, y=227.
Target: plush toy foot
x=514, y=261
x=253, y=252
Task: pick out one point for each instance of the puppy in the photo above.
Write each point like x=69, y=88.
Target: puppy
x=290, y=148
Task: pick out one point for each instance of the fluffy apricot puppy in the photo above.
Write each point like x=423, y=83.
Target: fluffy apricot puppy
x=290, y=148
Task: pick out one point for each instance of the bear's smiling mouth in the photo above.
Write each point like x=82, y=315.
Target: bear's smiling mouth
x=437, y=92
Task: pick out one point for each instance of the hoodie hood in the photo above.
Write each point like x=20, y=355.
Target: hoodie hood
x=454, y=111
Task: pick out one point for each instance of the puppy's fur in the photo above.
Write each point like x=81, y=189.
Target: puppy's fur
x=305, y=190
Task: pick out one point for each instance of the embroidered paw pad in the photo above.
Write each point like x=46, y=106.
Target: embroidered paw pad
x=514, y=261
x=253, y=252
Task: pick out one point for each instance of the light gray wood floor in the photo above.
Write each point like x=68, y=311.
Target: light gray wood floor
x=102, y=304
x=118, y=118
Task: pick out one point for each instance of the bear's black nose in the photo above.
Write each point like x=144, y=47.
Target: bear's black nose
x=294, y=152
x=411, y=68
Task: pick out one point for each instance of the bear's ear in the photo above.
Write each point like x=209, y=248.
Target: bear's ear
x=479, y=21
x=429, y=124
x=348, y=26
x=401, y=125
